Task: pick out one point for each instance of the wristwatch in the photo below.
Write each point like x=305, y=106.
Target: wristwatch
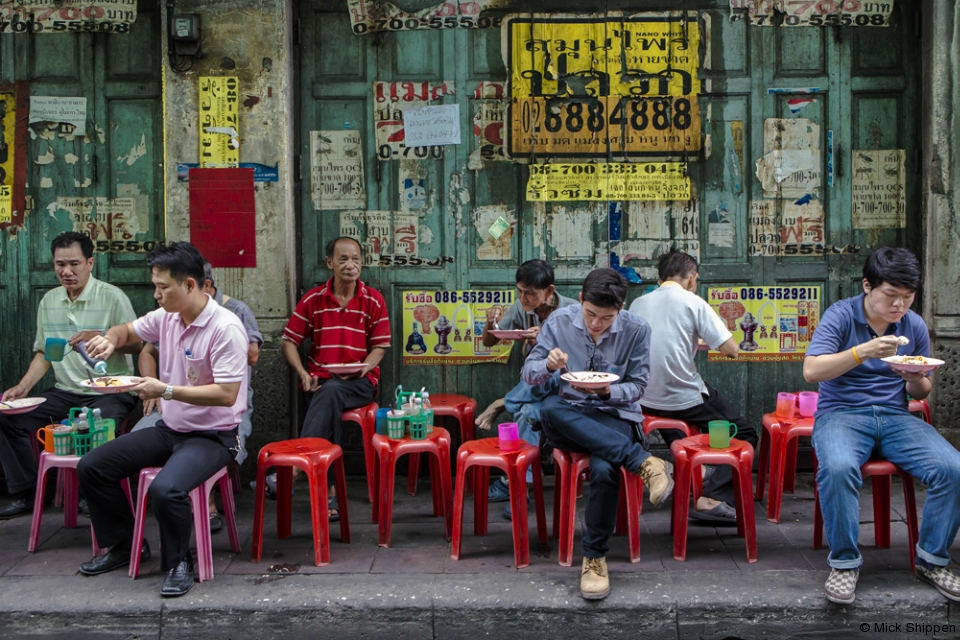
x=168, y=392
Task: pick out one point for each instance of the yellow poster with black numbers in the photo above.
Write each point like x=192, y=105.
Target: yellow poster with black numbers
x=770, y=324
x=608, y=181
x=8, y=122
x=584, y=86
x=446, y=327
x=6, y=204
x=219, y=122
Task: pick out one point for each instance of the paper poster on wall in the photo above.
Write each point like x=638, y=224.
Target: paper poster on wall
x=336, y=171
x=787, y=228
x=434, y=125
x=219, y=121
x=69, y=113
x=608, y=181
x=8, y=122
x=654, y=227
x=114, y=224
x=721, y=231
x=811, y=13
x=369, y=16
x=495, y=225
x=6, y=203
x=37, y=16
x=445, y=327
x=771, y=324
x=585, y=86
x=878, y=190
x=388, y=238
x=790, y=166
x=390, y=101
x=488, y=134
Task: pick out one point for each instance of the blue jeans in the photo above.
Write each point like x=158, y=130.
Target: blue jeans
x=611, y=443
x=845, y=439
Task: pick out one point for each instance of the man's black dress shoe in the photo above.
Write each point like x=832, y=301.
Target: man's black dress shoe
x=118, y=556
x=179, y=580
x=20, y=507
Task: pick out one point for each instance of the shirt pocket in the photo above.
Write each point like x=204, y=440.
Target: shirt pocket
x=199, y=371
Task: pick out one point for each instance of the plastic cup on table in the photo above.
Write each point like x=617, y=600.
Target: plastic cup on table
x=47, y=437
x=786, y=405
x=808, y=403
x=396, y=424
x=720, y=433
x=63, y=440
x=382, y=420
x=509, y=433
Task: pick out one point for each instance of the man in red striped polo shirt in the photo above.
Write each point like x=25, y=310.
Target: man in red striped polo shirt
x=346, y=322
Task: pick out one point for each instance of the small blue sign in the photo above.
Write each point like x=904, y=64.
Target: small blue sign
x=261, y=172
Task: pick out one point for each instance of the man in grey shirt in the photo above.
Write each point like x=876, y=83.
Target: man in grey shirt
x=595, y=336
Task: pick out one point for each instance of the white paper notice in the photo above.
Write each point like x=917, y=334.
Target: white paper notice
x=429, y=126
x=878, y=198
x=65, y=110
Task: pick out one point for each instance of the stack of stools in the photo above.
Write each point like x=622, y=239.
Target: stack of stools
x=483, y=454
x=689, y=454
x=199, y=498
x=315, y=457
x=437, y=443
x=445, y=404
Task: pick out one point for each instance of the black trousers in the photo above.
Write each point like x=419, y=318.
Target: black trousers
x=188, y=460
x=719, y=485
x=16, y=450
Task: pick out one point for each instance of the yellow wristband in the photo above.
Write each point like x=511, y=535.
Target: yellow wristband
x=853, y=350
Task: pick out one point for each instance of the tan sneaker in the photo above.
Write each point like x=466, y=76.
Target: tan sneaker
x=594, y=581
x=658, y=476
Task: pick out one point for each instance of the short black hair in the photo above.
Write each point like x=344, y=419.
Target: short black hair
x=535, y=273
x=70, y=238
x=895, y=266
x=330, y=246
x=208, y=274
x=676, y=264
x=605, y=288
x=181, y=259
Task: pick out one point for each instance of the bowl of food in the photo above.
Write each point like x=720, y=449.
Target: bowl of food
x=111, y=384
x=23, y=405
x=344, y=369
x=913, y=364
x=590, y=379
x=510, y=334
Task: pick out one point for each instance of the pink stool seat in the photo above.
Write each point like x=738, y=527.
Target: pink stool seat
x=68, y=480
x=200, y=498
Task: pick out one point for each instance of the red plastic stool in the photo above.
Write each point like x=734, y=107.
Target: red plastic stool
x=568, y=469
x=67, y=480
x=445, y=404
x=483, y=454
x=314, y=456
x=366, y=417
x=881, y=472
x=200, y=498
x=388, y=449
x=694, y=451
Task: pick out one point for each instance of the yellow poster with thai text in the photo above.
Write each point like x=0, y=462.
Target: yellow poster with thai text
x=770, y=324
x=445, y=327
x=608, y=181
x=8, y=122
x=219, y=122
x=6, y=204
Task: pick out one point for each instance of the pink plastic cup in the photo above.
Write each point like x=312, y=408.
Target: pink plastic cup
x=509, y=436
x=808, y=403
x=786, y=405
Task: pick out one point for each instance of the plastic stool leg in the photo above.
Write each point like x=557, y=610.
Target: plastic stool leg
x=571, y=482
x=790, y=467
x=436, y=492
x=38, y=497
x=256, y=546
x=385, y=515
x=538, y=500
x=631, y=512
x=778, y=455
x=744, y=495
x=70, y=494
x=480, y=500
x=519, y=521
x=284, y=501
x=58, y=496
x=226, y=495
x=910, y=503
x=881, y=510
x=458, y=499
x=681, y=504
x=620, y=528
x=763, y=463
x=369, y=455
x=201, y=529
x=446, y=490
x=139, y=521
x=413, y=473
x=557, y=490
x=320, y=514
x=340, y=478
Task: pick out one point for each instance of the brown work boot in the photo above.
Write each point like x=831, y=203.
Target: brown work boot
x=594, y=581
x=658, y=476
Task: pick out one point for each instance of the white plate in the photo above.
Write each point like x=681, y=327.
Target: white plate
x=896, y=364
x=590, y=379
x=509, y=334
x=124, y=383
x=23, y=405
x=344, y=369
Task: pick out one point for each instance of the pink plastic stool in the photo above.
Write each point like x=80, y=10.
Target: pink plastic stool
x=486, y=453
x=437, y=443
x=200, y=498
x=68, y=478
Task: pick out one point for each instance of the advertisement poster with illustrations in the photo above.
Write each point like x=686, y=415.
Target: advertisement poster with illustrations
x=770, y=324
x=445, y=327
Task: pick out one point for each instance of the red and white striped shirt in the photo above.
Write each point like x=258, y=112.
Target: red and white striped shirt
x=340, y=335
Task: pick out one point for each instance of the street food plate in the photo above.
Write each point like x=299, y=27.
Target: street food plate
x=23, y=405
x=509, y=334
x=590, y=379
x=111, y=384
x=913, y=364
x=344, y=369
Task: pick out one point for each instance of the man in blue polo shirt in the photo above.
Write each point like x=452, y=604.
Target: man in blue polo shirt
x=862, y=410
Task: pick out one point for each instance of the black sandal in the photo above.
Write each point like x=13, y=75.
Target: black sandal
x=333, y=509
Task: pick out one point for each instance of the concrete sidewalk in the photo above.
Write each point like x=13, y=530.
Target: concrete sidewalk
x=414, y=589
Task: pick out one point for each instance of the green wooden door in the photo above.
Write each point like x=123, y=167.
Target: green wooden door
x=118, y=164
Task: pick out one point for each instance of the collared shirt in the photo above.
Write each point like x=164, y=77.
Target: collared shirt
x=678, y=319
x=623, y=349
x=517, y=318
x=210, y=350
x=340, y=335
x=98, y=307
x=245, y=314
x=844, y=325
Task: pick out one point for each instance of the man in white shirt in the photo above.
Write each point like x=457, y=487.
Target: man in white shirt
x=679, y=319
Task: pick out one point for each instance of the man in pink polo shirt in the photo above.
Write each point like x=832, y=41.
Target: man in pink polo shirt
x=203, y=384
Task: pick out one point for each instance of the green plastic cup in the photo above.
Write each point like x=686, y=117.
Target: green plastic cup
x=720, y=433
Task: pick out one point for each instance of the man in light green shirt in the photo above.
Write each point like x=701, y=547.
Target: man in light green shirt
x=77, y=310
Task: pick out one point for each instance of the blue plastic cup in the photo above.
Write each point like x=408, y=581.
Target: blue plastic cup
x=382, y=420
x=53, y=349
